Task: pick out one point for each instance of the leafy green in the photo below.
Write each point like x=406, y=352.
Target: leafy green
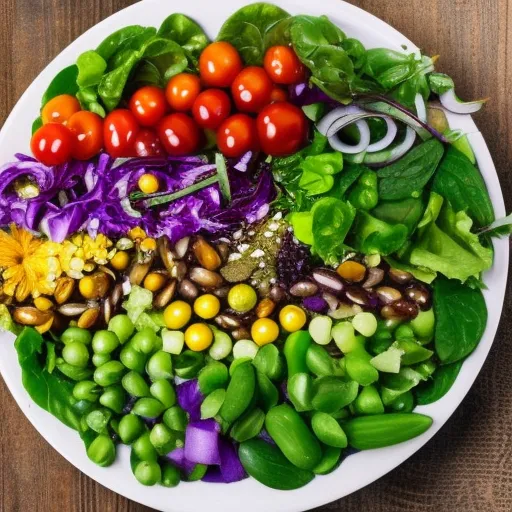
x=63, y=83
x=407, y=211
x=6, y=321
x=91, y=66
x=253, y=29
x=499, y=228
x=440, y=83
x=461, y=317
x=461, y=183
x=394, y=385
x=302, y=224
x=408, y=176
x=114, y=41
x=420, y=273
x=317, y=172
x=439, y=384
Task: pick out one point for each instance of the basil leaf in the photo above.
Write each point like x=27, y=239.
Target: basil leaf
x=441, y=382
x=461, y=317
x=440, y=83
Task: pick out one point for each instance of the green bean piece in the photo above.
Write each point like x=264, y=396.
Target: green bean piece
x=358, y=367
x=368, y=401
x=269, y=361
x=86, y=390
x=145, y=341
x=102, y=451
x=114, y=397
x=328, y=430
x=423, y=326
x=212, y=403
x=98, y=420
x=403, y=403
x=148, y=408
x=133, y=359
x=114, y=425
x=104, y=342
x=148, y=472
x=130, y=428
x=213, y=376
x=76, y=354
x=175, y=418
x=330, y=458
x=320, y=362
x=100, y=359
x=300, y=391
x=188, y=364
x=197, y=473
x=73, y=372
x=268, y=395
x=331, y=394
x=413, y=352
x=109, y=373
x=135, y=384
x=239, y=393
x=159, y=366
x=295, y=350
x=342, y=414
x=162, y=438
x=122, y=326
x=404, y=332
x=238, y=362
x=163, y=391
x=249, y=425
x=293, y=437
x=170, y=475
x=380, y=341
x=143, y=449
x=426, y=369
x=72, y=334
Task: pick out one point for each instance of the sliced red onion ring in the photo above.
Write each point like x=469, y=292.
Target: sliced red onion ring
x=388, y=156
x=451, y=102
x=387, y=139
x=421, y=108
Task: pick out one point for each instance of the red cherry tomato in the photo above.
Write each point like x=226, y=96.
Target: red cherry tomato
x=283, y=66
x=52, y=144
x=219, y=64
x=282, y=129
x=148, y=105
x=87, y=130
x=179, y=134
x=211, y=108
x=119, y=131
x=60, y=109
x=251, y=89
x=147, y=143
x=182, y=90
x=237, y=135
x=278, y=94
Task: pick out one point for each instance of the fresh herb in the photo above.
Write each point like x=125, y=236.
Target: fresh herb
x=440, y=83
x=439, y=384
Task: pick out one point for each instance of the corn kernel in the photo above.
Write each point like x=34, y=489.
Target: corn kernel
x=148, y=244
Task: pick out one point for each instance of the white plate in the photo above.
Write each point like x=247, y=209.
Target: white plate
x=357, y=470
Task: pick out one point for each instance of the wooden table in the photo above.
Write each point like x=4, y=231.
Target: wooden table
x=468, y=465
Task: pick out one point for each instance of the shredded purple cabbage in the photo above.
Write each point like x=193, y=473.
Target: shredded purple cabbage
x=303, y=94
x=230, y=469
x=190, y=398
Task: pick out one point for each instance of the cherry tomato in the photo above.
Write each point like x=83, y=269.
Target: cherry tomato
x=211, y=108
x=119, y=132
x=237, y=135
x=148, y=105
x=87, y=130
x=60, y=109
x=219, y=64
x=182, y=90
x=283, y=66
x=52, y=144
x=251, y=89
x=179, y=134
x=278, y=94
x=282, y=128
x=147, y=143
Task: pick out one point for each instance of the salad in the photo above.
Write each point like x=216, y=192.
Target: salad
x=249, y=257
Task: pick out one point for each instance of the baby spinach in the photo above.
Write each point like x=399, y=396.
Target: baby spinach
x=461, y=183
x=439, y=384
x=63, y=83
x=115, y=41
x=91, y=66
x=461, y=317
x=252, y=29
x=317, y=172
x=408, y=176
x=407, y=211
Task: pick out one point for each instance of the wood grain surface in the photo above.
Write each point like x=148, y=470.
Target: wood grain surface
x=468, y=465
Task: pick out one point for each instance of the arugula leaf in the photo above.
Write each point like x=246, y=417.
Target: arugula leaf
x=461, y=317
x=439, y=384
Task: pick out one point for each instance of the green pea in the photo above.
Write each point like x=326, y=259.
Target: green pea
x=404, y=403
x=426, y=369
x=212, y=403
x=404, y=332
x=331, y=394
x=148, y=408
x=330, y=459
x=145, y=341
x=423, y=325
x=267, y=393
x=328, y=430
x=114, y=397
x=368, y=401
x=175, y=418
x=73, y=372
x=197, y=473
x=162, y=438
x=114, y=425
x=143, y=449
x=295, y=350
x=269, y=361
x=109, y=373
x=130, y=428
x=413, y=352
x=300, y=391
x=72, y=334
x=249, y=425
x=159, y=366
x=133, y=359
x=239, y=393
x=98, y=420
x=170, y=476
x=102, y=451
x=320, y=362
x=86, y=390
x=238, y=362
x=163, y=391
x=76, y=354
x=188, y=364
x=122, y=326
x=104, y=342
x=213, y=376
x=135, y=384
x=100, y=359
x=148, y=473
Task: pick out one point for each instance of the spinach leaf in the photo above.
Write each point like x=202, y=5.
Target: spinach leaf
x=317, y=172
x=302, y=223
x=461, y=317
x=407, y=211
x=63, y=83
x=91, y=66
x=51, y=392
x=250, y=29
x=346, y=179
x=408, y=176
x=441, y=382
x=167, y=56
x=115, y=41
x=36, y=125
x=89, y=100
x=461, y=183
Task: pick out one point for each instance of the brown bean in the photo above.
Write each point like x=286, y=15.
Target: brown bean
x=227, y=321
x=116, y=295
x=223, y=250
x=72, y=309
x=88, y=318
x=221, y=292
x=179, y=271
x=331, y=300
x=357, y=295
x=165, y=253
x=241, y=334
x=328, y=279
x=304, y=289
x=265, y=308
x=107, y=309
x=277, y=294
x=345, y=311
x=207, y=256
x=63, y=289
x=205, y=278
x=387, y=295
x=400, y=276
x=138, y=272
x=375, y=277
x=419, y=294
x=181, y=247
x=165, y=296
x=188, y=290
x=29, y=315
x=400, y=310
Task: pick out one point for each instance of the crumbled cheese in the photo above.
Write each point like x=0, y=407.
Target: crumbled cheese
x=278, y=216
x=234, y=256
x=258, y=253
x=237, y=234
x=268, y=234
x=262, y=264
x=243, y=247
x=273, y=226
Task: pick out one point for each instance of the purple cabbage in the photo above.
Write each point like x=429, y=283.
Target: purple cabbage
x=316, y=304
x=303, y=94
x=230, y=469
x=202, y=442
x=177, y=457
x=190, y=398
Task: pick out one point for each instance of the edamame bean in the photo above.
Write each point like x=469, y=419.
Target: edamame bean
x=328, y=430
x=239, y=393
x=163, y=391
x=188, y=364
x=145, y=341
x=109, y=373
x=330, y=459
x=76, y=354
x=133, y=359
x=212, y=403
x=268, y=395
x=148, y=408
x=148, y=472
x=170, y=476
x=269, y=361
x=213, y=376
x=135, y=384
x=175, y=418
x=404, y=403
x=143, y=449
x=331, y=394
x=104, y=342
x=102, y=451
x=300, y=391
x=162, y=439
x=423, y=325
x=248, y=425
x=159, y=366
x=122, y=326
x=245, y=348
x=98, y=420
x=73, y=372
x=130, y=428
x=238, y=362
x=114, y=398
x=222, y=344
x=72, y=334
x=345, y=337
x=100, y=359
x=404, y=332
x=295, y=350
x=320, y=362
x=197, y=473
x=86, y=390
x=358, y=367
x=368, y=401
